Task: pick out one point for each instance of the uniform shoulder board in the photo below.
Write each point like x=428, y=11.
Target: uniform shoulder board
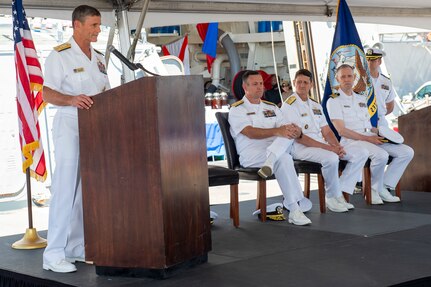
x=236, y=104
x=290, y=100
x=384, y=76
x=98, y=52
x=269, y=103
x=62, y=47
x=313, y=100
x=334, y=95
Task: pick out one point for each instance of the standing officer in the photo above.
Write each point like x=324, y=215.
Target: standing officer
x=264, y=140
x=74, y=71
x=348, y=112
x=385, y=95
x=319, y=144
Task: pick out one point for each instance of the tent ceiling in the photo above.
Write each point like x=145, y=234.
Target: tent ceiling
x=415, y=13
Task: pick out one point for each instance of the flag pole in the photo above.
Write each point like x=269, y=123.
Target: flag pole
x=31, y=239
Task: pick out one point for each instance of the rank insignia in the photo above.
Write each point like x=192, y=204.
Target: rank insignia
x=290, y=100
x=304, y=115
x=269, y=113
x=385, y=87
x=78, y=70
x=236, y=104
x=362, y=105
x=63, y=47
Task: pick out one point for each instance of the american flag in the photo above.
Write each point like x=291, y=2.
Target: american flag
x=29, y=83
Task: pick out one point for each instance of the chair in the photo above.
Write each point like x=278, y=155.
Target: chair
x=218, y=175
x=173, y=65
x=366, y=184
x=307, y=168
x=251, y=173
x=366, y=181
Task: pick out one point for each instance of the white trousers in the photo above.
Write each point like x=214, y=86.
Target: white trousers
x=355, y=155
x=379, y=159
x=402, y=155
x=65, y=226
x=284, y=169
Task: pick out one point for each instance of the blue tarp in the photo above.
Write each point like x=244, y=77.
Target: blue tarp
x=215, y=145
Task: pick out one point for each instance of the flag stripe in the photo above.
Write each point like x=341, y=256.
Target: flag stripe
x=184, y=46
x=29, y=81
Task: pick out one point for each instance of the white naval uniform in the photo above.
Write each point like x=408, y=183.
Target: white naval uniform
x=309, y=116
x=71, y=72
x=254, y=152
x=402, y=154
x=353, y=110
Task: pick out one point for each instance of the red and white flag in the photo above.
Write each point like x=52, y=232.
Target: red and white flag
x=29, y=83
x=179, y=48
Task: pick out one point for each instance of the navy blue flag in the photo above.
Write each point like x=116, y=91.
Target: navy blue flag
x=347, y=49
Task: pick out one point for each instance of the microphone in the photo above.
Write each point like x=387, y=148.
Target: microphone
x=123, y=59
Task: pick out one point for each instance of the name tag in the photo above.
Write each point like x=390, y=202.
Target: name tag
x=249, y=114
x=317, y=112
x=304, y=115
x=78, y=70
x=362, y=105
x=269, y=113
x=346, y=106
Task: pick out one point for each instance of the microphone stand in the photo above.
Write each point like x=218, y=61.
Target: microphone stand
x=128, y=63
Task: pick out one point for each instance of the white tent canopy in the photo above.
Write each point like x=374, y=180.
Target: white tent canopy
x=412, y=13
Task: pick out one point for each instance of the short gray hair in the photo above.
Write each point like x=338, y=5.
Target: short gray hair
x=344, y=66
x=83, y=11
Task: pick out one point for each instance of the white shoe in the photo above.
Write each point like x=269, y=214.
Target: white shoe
x=305, y=204
x=334, y=205
x=75, y=259
x=61, y=266
x=375, y=197
x=343, y=201
x=385, y=195
x=265, y=171
x=298, y=218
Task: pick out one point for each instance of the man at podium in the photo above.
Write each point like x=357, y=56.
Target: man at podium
x=74, y=71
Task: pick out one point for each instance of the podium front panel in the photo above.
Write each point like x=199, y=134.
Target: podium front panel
x=144, y=173
x=415, y=128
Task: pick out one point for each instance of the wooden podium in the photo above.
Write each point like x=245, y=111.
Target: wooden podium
x=145, y=177
x=416, y=128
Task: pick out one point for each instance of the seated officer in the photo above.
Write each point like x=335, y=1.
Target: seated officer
x=385, y=95
x=319, y=144
x=263, y=139
x=348, y=112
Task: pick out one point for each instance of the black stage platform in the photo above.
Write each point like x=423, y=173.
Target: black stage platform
x=369, y=246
